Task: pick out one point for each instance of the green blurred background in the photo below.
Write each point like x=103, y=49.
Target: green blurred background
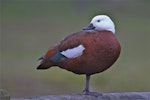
x=30, y=27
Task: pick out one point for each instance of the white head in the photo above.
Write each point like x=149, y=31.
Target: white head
x=100, y=23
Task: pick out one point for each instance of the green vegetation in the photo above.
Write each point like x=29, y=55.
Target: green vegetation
x=30, y=27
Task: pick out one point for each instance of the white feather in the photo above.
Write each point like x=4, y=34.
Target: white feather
x=74, y=52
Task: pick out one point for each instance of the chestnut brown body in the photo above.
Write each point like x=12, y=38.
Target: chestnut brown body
x=101, y=50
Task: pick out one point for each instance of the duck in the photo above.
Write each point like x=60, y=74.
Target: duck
x=92, y=50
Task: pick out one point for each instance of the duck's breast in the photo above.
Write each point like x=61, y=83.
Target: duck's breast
x=101, y=50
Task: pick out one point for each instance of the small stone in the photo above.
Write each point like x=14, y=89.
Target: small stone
x=4, y=95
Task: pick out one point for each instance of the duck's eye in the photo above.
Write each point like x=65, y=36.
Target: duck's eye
x=98, y=20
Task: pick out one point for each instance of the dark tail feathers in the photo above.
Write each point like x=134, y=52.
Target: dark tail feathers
x=45, y=65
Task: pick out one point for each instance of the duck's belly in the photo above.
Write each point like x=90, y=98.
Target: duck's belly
x=93, y=60
x=101, y=51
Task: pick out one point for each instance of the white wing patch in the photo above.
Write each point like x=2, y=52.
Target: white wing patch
x=74, y=52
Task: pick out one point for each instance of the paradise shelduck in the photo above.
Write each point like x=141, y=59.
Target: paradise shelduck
x=90, y=51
